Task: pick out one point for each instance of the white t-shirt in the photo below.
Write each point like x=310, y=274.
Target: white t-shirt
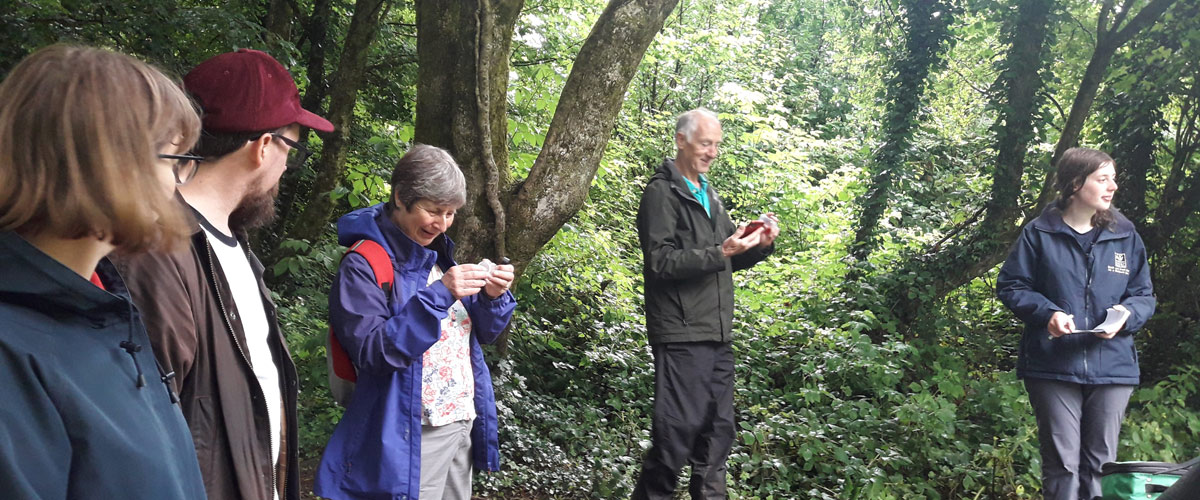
x=248, y=300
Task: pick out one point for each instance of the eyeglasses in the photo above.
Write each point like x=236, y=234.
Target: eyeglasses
x=184, y=167
x=297, y=154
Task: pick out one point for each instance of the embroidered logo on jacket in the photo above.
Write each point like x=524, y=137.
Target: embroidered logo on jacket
x=1119, y=265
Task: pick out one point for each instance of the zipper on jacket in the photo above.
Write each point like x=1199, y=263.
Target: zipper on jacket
x=1087, y=308
x=228, y=324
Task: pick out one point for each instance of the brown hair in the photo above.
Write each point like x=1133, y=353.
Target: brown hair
x=80, y=131
x=1073, y=170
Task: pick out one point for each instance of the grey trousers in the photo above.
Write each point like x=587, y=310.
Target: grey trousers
x=446, y=461
x=1078, y=427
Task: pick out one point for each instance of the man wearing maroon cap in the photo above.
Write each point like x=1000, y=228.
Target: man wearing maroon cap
x=208, y=313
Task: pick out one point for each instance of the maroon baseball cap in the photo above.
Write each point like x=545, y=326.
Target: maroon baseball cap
x=248, y=91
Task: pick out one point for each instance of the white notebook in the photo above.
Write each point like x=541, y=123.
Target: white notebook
x=1115, y=317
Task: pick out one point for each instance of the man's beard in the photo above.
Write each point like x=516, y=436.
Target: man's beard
x=255, y=211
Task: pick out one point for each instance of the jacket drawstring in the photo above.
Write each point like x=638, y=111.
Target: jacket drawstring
x=166, y=380
x=131, y=348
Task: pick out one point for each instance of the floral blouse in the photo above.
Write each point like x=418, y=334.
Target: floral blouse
x=447, y=382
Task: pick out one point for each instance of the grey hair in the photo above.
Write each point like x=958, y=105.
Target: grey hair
x=686, y=123
x=429, y=173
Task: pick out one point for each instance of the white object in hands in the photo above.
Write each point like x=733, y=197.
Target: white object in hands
x=769, y=222
x=487, y=265
x=1114, y=318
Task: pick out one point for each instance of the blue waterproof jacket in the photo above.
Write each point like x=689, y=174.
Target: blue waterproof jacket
x=375, y=451
x=1048, y=270
x=84, y=413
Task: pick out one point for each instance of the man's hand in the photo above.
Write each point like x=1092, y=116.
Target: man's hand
x=465, y=280
x=1060, y=324
x=1108, y=334
x=769, y=232
x=739, y=242
x=499, y=281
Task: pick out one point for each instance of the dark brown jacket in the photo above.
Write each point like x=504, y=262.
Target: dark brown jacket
x=196, y=332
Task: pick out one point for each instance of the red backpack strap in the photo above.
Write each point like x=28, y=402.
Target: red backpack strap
x=381, y=266
x=379, y=260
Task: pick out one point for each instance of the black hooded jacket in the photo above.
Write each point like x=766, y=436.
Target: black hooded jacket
x=688, y=281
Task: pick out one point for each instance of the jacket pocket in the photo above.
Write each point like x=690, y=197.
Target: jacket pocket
x=680, y=305
x=202, y=420
x=1061, y=355
x=698, y=299
x=1118, y=357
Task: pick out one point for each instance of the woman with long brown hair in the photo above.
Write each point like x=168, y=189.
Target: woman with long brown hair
x=1079, y=280
x=92, y=144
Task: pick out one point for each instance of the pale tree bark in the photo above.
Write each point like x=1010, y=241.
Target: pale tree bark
x=449, y=101
x=343, y=93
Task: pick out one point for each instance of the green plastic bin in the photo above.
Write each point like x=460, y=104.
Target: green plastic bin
x=1139, y=480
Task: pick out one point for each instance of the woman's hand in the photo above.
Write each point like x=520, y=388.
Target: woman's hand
x=1110, y=334
x=465, y=280
x=499, y=281
x=1060, y=324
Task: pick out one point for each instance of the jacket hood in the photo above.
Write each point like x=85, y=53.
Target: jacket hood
x=1051, y=221
x=667, y=171
x=30, y=278
x=372, y=223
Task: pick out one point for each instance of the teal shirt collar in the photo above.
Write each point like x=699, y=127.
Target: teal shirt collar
x=701, y=193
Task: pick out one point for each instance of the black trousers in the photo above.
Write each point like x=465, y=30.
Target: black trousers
x=693, y=420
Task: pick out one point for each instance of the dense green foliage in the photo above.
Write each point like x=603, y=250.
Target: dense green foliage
x=838, y=396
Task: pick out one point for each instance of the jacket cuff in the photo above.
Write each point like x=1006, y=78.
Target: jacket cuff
x=442, y=298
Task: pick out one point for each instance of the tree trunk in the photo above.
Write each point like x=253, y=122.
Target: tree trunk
x=349, y=76
x=939, y=271
x=927, y=36
x=292, y=185
x=558, y=182
x=462, y=70
x=278, y=19
x=1180, y=198
x=462, y=51
x=448, y=104
x=1108, y=40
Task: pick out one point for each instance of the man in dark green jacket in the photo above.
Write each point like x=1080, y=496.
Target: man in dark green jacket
x=690, y=249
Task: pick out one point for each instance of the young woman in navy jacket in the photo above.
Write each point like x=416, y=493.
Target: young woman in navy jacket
x=92, y=144
x=1069, y=266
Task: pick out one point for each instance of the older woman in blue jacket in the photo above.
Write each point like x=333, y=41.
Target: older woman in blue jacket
x=423, y=412
x=1070, y=265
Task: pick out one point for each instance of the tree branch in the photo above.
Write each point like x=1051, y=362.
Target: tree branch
x=483, y=75
x=558, y=182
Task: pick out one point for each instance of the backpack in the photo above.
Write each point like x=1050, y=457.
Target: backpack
x=342, y=373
